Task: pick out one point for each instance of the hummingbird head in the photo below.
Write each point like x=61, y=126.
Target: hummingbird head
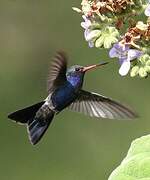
x=75, y=74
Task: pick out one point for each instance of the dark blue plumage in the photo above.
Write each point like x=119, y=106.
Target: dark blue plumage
x=63, y=96
x=65, y=90
x=68, y=92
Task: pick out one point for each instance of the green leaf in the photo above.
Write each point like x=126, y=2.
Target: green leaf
x=136, y=165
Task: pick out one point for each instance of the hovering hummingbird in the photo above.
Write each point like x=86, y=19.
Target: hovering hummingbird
x=65, y=91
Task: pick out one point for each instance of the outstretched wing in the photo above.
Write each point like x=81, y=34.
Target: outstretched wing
x=57, y=75
x=95, y=105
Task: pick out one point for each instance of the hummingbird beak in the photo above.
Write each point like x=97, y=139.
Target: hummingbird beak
x=86, y=68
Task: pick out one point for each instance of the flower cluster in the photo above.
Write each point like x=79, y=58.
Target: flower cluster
x=116, y=25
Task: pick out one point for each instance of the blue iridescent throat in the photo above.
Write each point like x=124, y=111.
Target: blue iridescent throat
x=75, y=80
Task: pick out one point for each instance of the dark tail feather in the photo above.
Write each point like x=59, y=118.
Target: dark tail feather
x=36, y=124
x=36, y=128
x=24, y=115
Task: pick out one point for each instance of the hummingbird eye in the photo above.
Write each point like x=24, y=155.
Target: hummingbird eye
x=77, y=69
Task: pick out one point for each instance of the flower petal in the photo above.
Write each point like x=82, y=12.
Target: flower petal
x=84, y=17
x=147, y=11
x=86, y=34
x=121, y=48
x=125, y=67
x=118, y=51
x=117, y=46
x=91, y=44
x=77, y=9
x=133, y=54
x=84, y=25
x=113, y=52
x=122, y=59
x=92, y=35
x=87, y=22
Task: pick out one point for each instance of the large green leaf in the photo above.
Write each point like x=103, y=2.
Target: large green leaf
x=136, y=165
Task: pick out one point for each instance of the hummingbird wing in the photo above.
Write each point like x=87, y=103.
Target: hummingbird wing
x=96, y=105
x=57, y=75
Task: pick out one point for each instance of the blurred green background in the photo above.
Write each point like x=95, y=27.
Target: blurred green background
x=75, y=147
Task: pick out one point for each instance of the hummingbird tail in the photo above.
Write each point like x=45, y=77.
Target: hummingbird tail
x=24, y=115
x=37, y=127
x=36, y=124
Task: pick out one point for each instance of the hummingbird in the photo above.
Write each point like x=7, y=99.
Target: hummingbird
x=65, y=91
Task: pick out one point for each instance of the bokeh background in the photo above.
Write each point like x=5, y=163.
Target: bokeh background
x=75, y=147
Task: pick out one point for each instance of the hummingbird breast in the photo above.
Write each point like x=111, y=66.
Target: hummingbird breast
x=63, y=96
